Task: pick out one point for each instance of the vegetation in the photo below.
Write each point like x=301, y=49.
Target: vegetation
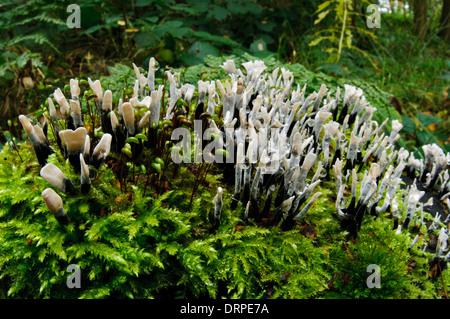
x=148, y=233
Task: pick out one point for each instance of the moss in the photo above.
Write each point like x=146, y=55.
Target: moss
x=403, y=272
x=147, y=233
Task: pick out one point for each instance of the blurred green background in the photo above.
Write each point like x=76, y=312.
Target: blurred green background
x=407, y=57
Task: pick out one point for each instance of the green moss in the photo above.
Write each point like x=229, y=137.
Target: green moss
x=403, y=272
x=144, y=247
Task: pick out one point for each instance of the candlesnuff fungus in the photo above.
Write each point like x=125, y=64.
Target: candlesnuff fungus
x=143, y=121
x=308, y=206
x=55, y=205
x=155, y=105
x=37, y=138
x=76, y=119
x=87, y=149
x=439, y=263
x=151, y=74
x=141, y=80
x=106, y=109
x=74, y=89
x=128, y=118
x=118, y=138
x=74, y=142
x=85, y=179
x=64, y=107
x=282, y=211
x=413, y=199
x=56, y=178
x=101, y=151
x=396, y=127
x=217, y=213
x=52, y=109
x=238, y=176
x=98, y=92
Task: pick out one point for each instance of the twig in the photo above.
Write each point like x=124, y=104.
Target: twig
x=134, y=164
x=342, y=31
x=13, y=143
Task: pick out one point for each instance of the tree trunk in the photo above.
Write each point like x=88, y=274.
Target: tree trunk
x=444, y=25
x=420, y=18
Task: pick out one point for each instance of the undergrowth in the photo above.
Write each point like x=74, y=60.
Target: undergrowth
x=138, y=247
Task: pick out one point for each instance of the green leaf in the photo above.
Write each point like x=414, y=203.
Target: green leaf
x=201, y=49
x=219, y=13
x=424, y=136
x=322, y=6
x=180, y=32
x=185, y=8
x=145, y=39
x=321, y=16
x=190, y=59
x=316, y=41
x=258, y=45
x=447, y=147
x=409, y=125
x=169, y=27
x=427, y=120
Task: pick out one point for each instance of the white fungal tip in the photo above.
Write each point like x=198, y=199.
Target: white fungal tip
x=26, y=124
x=103, y=147
x=75, y=107
x=53, y=202
x=114, y=120
x=107, y=101
x=52, y=174
x=128, y=117
x=96, y=87
x=144, y=120
x=74, y=88
x=74, y=140
x=52, y=109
